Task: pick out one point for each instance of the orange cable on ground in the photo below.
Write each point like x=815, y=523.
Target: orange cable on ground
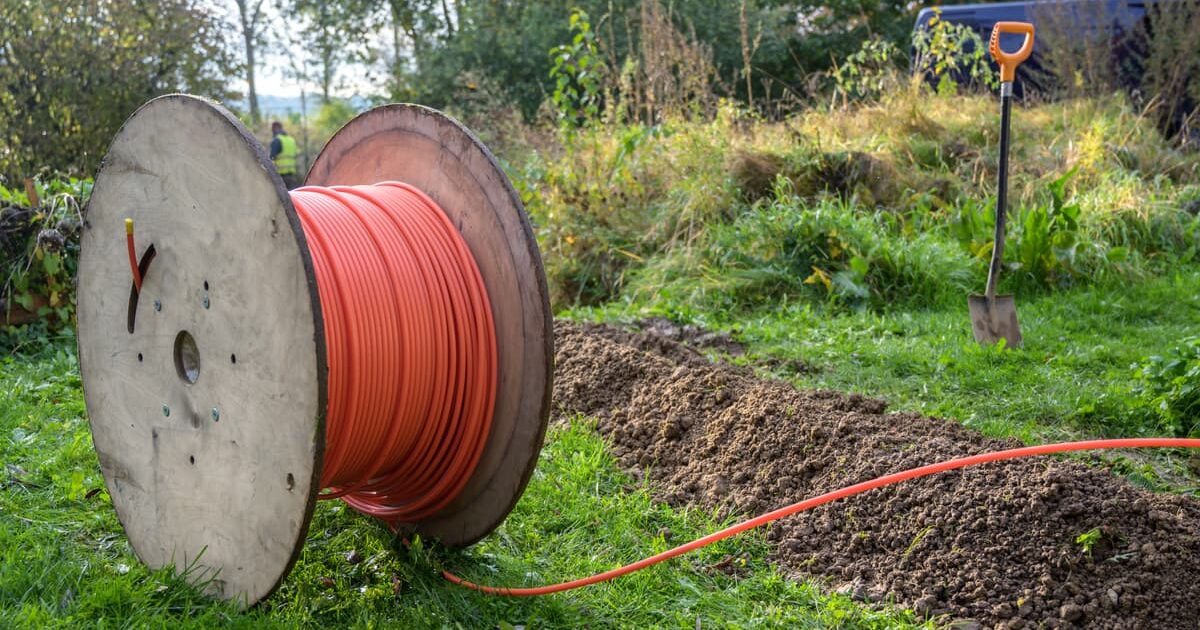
x=411, y=348
x=849, y=491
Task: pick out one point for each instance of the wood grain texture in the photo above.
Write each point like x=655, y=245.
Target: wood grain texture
x=230, y=490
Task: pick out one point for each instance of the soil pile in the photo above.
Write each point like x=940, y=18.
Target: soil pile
x=996, y=544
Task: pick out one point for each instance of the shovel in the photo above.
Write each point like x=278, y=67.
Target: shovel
x=994, y=317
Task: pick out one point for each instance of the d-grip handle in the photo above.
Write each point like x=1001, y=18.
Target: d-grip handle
x=1009, y=61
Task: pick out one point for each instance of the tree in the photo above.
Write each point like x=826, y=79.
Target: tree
x=400, y=18
x=336, y=32
x=250, y=14
x=434, y=49
x=761, y=49
x=414, y=29
x=59, y=107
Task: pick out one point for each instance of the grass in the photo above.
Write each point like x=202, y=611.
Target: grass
x=1073, y=379
x=616, y=201
x=838, y=245
x=64, y=560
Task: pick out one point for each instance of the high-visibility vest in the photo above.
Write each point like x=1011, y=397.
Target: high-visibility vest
x=285, y=161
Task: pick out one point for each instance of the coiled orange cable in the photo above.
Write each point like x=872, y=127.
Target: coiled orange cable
x=411, y=348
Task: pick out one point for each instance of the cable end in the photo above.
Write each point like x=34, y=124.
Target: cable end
x=128, y=226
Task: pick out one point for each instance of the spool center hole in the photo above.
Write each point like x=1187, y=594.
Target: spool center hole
x=187, y=357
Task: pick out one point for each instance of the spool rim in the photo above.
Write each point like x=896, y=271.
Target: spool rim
x=385, y=143
x=114, y=170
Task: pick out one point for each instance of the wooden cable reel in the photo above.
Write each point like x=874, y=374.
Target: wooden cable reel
x=207, y=389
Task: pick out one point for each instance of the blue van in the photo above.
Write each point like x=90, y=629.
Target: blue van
x=1125, y=24
x=1116, y=20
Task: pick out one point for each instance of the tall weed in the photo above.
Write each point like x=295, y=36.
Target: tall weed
x=828, y=251
x=39, y=250
x=1169, y=386
x=621, y=195
x=744, y=210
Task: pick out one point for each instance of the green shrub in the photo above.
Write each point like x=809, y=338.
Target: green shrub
x=946, y=49
x=39, y=251
x=1047, y=236
x=618, y=196
x=1054, y=244
x=634, y=211
x=827, y=251
x=577, y=69
x=943, y=51
x=868, y=73
x=1170, y=387
x=71, y=73
x=593, y=213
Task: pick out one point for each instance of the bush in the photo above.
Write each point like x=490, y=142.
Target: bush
x=618, y=196
x=577, y=69
x=71, y=72
x=1042, y=242
x=1155, y=60
x=868, y=73
x=1170, y=387
x=947, y=53
x=636, y=211
x=1053, y=244
x=39, y=251
x=828, y=251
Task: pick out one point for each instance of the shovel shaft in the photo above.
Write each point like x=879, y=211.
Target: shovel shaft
x=1001, y=192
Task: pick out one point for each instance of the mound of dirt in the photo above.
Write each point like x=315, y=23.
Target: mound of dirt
x=755, y=173
x=996, y=544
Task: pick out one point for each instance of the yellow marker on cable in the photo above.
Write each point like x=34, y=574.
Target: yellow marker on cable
x=133, y=262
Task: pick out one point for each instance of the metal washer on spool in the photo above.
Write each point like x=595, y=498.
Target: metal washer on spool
x=206, y=390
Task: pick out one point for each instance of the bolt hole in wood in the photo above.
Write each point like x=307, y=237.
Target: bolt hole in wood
x=187, y=357
x=139, y=357
x=291, y=481
x=206, y=285
x=192, y=459
x=233, y=358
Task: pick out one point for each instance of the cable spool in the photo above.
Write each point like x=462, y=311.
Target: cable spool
x=209, y=388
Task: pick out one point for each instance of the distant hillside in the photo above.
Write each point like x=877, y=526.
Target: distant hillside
x=272, y=105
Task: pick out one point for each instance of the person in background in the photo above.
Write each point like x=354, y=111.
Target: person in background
x=283, y=152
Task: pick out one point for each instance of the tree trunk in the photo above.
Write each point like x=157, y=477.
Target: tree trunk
x=326, y=74
x=304, y=127
x=396, y=67
x=449, y=22
x=249, y=22
x=744, y=27
x=402, y=15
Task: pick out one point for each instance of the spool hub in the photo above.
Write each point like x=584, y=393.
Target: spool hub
x=207, y=390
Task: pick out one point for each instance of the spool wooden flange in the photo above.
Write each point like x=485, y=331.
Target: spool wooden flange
x=207, y=393
x=431, y=151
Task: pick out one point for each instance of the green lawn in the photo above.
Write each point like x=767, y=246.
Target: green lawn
x=64, y=560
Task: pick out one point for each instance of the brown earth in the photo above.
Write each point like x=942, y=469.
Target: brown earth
x=995, y=544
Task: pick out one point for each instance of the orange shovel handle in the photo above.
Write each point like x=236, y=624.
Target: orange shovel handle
x=1009, y=61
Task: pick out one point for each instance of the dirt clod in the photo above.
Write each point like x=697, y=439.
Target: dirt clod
x=995, y=544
